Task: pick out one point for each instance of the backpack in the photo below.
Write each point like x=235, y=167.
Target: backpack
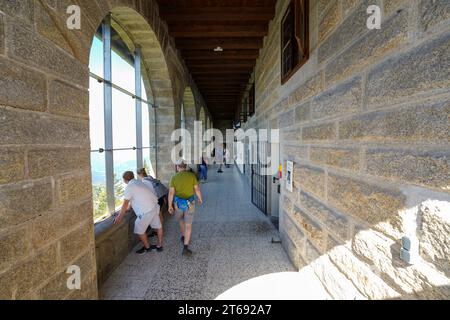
x=159, y=188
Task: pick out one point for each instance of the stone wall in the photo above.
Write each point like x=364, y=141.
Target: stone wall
x=46, y=219
x=367, y=123
x=113, y=244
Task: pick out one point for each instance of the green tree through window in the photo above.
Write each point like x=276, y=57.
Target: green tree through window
x=118, y=190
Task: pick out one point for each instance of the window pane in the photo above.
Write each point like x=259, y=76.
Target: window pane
x=122, y=72
x=123, y=161
x=98, y=185
x=145, y=125
x=144, y=92
x=148, y=163
x=96, y=114
x=96, y=57
x=124, y=120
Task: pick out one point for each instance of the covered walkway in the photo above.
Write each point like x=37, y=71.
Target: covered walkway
x=231, y=242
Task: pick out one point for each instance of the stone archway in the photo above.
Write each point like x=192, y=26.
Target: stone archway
x=135, y=30
x=202, y=117
x=140, y=33
x=189, y=109
x=47, y=127
x=50, y=127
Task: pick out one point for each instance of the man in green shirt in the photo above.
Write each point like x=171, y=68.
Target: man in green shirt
x=183, y=186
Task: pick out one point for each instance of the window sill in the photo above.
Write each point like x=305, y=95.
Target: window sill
x=291, y=73
x=105, y=227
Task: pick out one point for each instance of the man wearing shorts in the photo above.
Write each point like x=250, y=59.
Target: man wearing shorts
x=183, y=186
x=145, y=206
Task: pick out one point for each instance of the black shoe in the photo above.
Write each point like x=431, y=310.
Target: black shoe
x=220, y=171
x=186, y=251
x=159, y=249
x=143, y=250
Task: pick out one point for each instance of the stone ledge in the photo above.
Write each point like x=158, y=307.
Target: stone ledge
x=104, y=228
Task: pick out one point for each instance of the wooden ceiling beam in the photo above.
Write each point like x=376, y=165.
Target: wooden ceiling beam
x=216, y=82
x=223, y=72
x=224, y=43
x=215, y=96
x=227, y=54
x=218, y=86
x=202, y=3
x=219, y=68
x=215, y=63
x=237, y=26
x=223, y=85
x=171, y=14
x=221, y=88
x=226, y=79
x=217, y=30
x=207, y=92
x=216, y=101
x=218, y=96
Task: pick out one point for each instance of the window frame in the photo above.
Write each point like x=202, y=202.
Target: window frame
x=300, y=10
x=139, y=108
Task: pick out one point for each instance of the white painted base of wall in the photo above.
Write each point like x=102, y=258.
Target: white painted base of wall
x=302, y=285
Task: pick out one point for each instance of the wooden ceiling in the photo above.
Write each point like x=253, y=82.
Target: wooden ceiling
x=237, y=26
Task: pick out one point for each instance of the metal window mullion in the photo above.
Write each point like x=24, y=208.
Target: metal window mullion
x=155, y=134
x=107, y=96
x=138, y=92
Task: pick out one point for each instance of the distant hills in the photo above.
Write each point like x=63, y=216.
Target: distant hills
x=98, y=168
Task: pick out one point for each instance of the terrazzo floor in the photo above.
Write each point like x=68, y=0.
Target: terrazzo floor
x=231, y=242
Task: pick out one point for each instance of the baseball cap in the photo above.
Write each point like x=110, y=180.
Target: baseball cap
x=180, y=162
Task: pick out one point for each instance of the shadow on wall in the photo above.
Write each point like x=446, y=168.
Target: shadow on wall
x=364, y=262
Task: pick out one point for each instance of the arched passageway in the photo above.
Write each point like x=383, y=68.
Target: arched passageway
x=363, y=154
x=50, y=127
x=232, y=243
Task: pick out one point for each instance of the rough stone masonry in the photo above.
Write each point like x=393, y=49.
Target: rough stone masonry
x=367, y=123
x=46, y=220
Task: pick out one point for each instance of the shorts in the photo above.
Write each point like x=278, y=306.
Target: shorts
x=150, y=218
x=186, y=216
x=161, y=201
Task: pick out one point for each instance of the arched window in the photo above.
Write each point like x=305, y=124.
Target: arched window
x=120, y=116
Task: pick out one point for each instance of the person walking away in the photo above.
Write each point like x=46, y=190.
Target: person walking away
x=145, y=206
x=218, y=153
x=203, y=169
x=226, y=154
x=158, y=189
x=183, y=186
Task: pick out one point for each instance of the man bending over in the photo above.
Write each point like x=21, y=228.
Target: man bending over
x=145, y=206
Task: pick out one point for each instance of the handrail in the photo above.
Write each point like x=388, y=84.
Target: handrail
x=101, y=150
x=133, y=96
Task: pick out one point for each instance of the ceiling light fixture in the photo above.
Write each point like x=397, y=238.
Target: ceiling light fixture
x=218, y=49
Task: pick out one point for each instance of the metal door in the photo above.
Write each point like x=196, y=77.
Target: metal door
x=258, y=175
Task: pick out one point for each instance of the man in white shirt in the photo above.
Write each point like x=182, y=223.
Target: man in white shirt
x=145, y=205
